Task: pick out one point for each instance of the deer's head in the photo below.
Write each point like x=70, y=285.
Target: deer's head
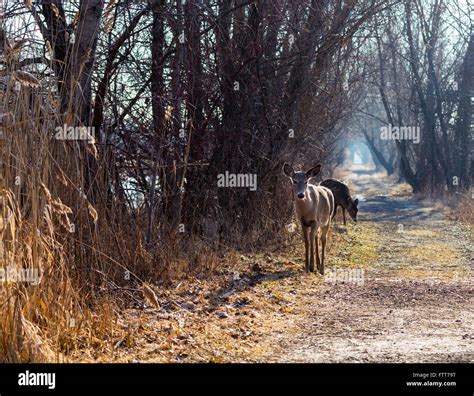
x=352, y=208
x=300, y=179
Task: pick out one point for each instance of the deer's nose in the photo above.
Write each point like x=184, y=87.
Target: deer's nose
x=300, y=195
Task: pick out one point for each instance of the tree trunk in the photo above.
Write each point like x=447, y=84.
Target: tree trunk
x=464, y=144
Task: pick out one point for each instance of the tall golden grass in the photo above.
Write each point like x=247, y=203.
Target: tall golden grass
x=48, y=229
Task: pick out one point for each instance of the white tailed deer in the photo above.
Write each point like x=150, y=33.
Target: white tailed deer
x=314, y=207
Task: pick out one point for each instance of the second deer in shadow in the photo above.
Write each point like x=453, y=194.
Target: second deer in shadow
x=342, y=198
x=314, y=207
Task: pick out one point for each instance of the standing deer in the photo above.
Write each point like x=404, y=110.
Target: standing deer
x=314, y=206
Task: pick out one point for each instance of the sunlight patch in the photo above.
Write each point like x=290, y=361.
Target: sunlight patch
x=422, y=233
x=437, y=252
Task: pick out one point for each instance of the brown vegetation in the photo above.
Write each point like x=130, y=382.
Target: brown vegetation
x=117, y=118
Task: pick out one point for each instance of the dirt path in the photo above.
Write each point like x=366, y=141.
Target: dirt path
x=398, y=288
x=415, y=303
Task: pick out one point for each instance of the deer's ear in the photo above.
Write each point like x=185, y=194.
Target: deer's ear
x=288, y=170
x=313, y=171
x=356, y=201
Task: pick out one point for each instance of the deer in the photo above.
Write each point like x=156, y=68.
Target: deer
x=314, y=205
x=342, y=198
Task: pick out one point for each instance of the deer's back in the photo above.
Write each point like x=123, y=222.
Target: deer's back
x=339, y=190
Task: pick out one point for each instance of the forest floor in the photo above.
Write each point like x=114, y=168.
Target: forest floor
x=398, y=288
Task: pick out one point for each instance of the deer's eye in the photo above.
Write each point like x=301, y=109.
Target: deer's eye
x=295, y=182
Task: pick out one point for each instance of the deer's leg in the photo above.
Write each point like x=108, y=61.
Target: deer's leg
x=316, y=244
x=344, y=214
x=306, y=247
x=334, y=212
x=324, y=234
x=313, y=235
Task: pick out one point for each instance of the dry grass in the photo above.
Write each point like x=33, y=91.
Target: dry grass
x=460, y=207
x=47, y=231
x=238, y=310
x=422, y=233
x=445, y=274
x=357, y=247
x=438, y=252
x=401, y=190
